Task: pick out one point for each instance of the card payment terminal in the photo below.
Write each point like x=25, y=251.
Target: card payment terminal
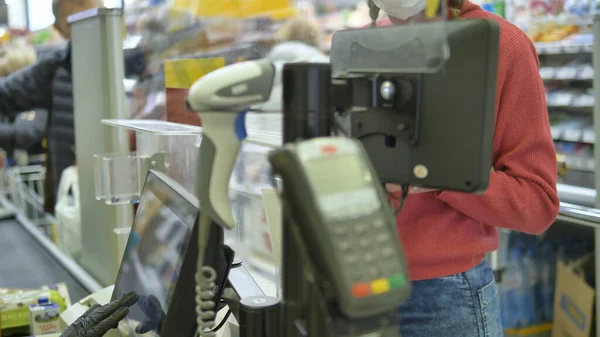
x=341, y=210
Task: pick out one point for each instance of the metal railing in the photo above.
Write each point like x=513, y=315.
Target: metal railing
x=24, y=186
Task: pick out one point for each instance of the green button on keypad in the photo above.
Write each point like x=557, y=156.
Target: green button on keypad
x=397, y=281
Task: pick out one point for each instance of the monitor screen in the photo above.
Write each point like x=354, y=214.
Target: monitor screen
x=155, y=251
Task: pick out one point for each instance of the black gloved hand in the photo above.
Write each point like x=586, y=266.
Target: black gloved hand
x=97, y=320
x=156, y=316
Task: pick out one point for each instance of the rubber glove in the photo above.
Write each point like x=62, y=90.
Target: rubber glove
x=97, y=320
x=156, y=316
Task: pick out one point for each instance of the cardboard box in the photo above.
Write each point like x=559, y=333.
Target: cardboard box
x=573, y=304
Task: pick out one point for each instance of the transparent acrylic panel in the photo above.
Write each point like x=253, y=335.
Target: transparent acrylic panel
x=252, y=239
x=122, y=180
x=99, y=185
x=177, y=143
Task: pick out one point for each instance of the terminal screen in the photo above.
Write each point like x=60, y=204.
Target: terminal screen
x=154, y=254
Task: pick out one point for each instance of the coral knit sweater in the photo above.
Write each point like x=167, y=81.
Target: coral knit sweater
x=446, y=233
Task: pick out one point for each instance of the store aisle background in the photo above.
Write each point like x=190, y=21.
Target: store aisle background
x=25, y=264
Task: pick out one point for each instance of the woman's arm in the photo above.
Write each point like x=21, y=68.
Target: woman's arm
x=522, y=192
x=30, y=88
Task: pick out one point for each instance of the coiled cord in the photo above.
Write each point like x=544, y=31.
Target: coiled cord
x=373, y=13
x=205, y=305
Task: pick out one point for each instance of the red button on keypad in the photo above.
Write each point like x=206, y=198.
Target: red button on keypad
x=361, y=290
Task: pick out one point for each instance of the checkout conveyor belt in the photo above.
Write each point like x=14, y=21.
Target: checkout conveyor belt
x=28, y=259
x=24, y=263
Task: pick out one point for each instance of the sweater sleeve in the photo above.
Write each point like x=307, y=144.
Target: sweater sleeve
x=522, y=192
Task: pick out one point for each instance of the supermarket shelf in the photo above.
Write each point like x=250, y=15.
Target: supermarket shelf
x=570, y=100
x=566, y=73
x=582, y=196
x=579, y=215
x=563, y=21
x=557, y=48
x=584, y=140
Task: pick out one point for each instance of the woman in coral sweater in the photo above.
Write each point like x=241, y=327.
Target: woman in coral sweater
x=447, y=234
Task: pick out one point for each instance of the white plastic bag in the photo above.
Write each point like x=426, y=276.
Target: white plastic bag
x=68, y=213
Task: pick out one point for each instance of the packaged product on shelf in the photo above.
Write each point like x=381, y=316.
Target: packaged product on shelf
x=14, y=306
x=510, y=294
x=578, y=156
x=547, y=265
x=555, y=34
x=561, y=97
x=44, y=317
x=540, y=8
x=589, y=134
x=531, y=286
x=586, y=72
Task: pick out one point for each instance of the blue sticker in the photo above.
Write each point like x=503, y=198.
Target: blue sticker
x=240, y=125
x=570, y=308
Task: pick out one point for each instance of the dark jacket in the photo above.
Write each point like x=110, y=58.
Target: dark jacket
x=46, y=85
x=26, y=132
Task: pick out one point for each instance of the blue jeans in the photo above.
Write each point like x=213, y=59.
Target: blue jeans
x=461, y=305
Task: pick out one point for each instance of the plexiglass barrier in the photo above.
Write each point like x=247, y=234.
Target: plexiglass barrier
x=163, y=146
x=254, y=239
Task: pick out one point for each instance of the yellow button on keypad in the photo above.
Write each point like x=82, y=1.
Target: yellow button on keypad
x=380, y=286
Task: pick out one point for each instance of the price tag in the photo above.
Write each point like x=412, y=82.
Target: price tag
x=573, y=49
x=540, y=48
x=575, y=163
x=547, y=73
x=566, y=73
x=561, y=99
x=553, y=50
x=572, y=135
x=586, y=73
x=556, y=132
x=589, y=136
x=591, y=165
x=584, y=100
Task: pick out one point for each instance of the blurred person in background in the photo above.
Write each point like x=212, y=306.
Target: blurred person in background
x=28, y=129
x=48, y=85
x=300, y=40
x=446, y=234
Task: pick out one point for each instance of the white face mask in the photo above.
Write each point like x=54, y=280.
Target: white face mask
x=401, y=9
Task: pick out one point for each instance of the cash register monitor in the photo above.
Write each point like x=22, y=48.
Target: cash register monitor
x=442, y=136
x=159, y=262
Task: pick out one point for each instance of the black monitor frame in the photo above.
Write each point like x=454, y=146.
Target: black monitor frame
x=180, y=320
x=438, y=130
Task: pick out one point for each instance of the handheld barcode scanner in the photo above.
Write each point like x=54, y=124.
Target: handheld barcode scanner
x=218, y=98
